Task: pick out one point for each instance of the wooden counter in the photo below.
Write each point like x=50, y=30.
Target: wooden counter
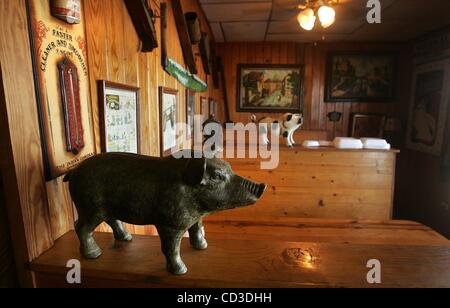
x=281, y=253
x=323, y=183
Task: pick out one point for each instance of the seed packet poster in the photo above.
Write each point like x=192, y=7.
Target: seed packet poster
x=58, y=41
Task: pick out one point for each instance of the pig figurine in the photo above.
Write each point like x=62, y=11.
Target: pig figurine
x=172, y=194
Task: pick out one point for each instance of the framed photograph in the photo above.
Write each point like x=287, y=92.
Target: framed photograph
x=429, y=107
x=367, y=125
x=168, y=107
x=119, y=117
x=190, y=114
x=446, y=162
x=270, y=88
x=212, y=108
x=204, y=108
x=360, y=77
x=61, y=74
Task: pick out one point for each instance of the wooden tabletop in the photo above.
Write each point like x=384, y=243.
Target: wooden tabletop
x=248, y=262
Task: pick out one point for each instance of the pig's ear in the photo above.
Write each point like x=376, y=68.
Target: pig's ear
x=194, y=173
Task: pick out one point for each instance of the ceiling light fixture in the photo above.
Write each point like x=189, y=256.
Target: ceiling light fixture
x=322, y=8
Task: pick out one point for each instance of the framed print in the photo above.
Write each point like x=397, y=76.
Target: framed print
x=60, y=66
x=119, y=117
x=212, y=108
x=190, y=114
x=361, y=78
x=204, y=108
x=270, y=88
x=367, y=125
x=168, y=107
x=429, y=107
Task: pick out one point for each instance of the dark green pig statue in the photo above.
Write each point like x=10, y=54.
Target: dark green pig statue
x=172, y=194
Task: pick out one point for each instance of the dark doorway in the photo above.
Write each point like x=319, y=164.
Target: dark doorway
x=7, y=267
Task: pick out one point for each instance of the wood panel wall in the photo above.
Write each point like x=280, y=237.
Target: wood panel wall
x=20, y=145
x=314, y=57
x=423, y=191
x=43, y=212
x=113, y=52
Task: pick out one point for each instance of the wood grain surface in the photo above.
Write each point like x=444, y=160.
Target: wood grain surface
x=247, y=263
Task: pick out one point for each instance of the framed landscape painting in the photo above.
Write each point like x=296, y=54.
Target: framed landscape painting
x=360, y=78
x=270, y=88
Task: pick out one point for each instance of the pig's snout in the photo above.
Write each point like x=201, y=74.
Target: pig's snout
x=255, y=189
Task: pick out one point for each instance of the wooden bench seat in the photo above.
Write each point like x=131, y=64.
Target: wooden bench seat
x=322, y=183
x=265, y=253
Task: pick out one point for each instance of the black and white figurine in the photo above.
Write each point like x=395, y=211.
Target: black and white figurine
x=285, y=126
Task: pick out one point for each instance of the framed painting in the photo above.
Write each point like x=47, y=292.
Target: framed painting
x=270, y=88
x=446, y=162
x=429, y=107
x=60, y=67
x=204, y=109
x=190, y=115
x=212, y=108
x=168, y=120
x=360, y=77
x=119, y=117
x=367, y=125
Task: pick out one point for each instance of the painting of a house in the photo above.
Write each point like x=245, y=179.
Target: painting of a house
x=270, y=88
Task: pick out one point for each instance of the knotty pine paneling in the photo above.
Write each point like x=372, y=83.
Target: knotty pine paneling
x=42, y=211
x=314, y=57
x=113, y=51
x=325, y=183
x=20, y=146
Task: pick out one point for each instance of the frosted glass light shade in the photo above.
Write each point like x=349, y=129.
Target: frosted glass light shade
x=307, y=19
x=327, y=16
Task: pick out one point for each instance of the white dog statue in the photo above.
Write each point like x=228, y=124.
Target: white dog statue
x=285, y=126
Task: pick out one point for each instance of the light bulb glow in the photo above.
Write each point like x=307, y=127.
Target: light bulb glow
x=307, y=19
x=327, y=16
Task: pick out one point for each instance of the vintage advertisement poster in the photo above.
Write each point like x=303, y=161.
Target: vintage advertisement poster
x=428, y=111
x=121, y=120
x=59, y=54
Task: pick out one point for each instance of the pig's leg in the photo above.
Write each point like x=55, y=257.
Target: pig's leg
x=120, y=233
x=84, y=228
x=170, y=246
x=197, y=237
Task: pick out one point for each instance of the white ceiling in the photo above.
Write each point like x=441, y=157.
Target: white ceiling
x=276, y=20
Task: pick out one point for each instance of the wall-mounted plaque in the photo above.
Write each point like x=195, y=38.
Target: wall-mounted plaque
x=119, y=117
x=190, y=115
x=204, y=109
x=62, y=83
x=168, y=107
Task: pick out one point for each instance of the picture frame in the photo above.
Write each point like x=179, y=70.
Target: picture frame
x=360, y=77
x=204, y=108
x=212, y=107
x=119, y=110
x=429, y=107
x=190, y=115
x=62, y=84
x=168, y=120
x=367, y=125
x=270, y=88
